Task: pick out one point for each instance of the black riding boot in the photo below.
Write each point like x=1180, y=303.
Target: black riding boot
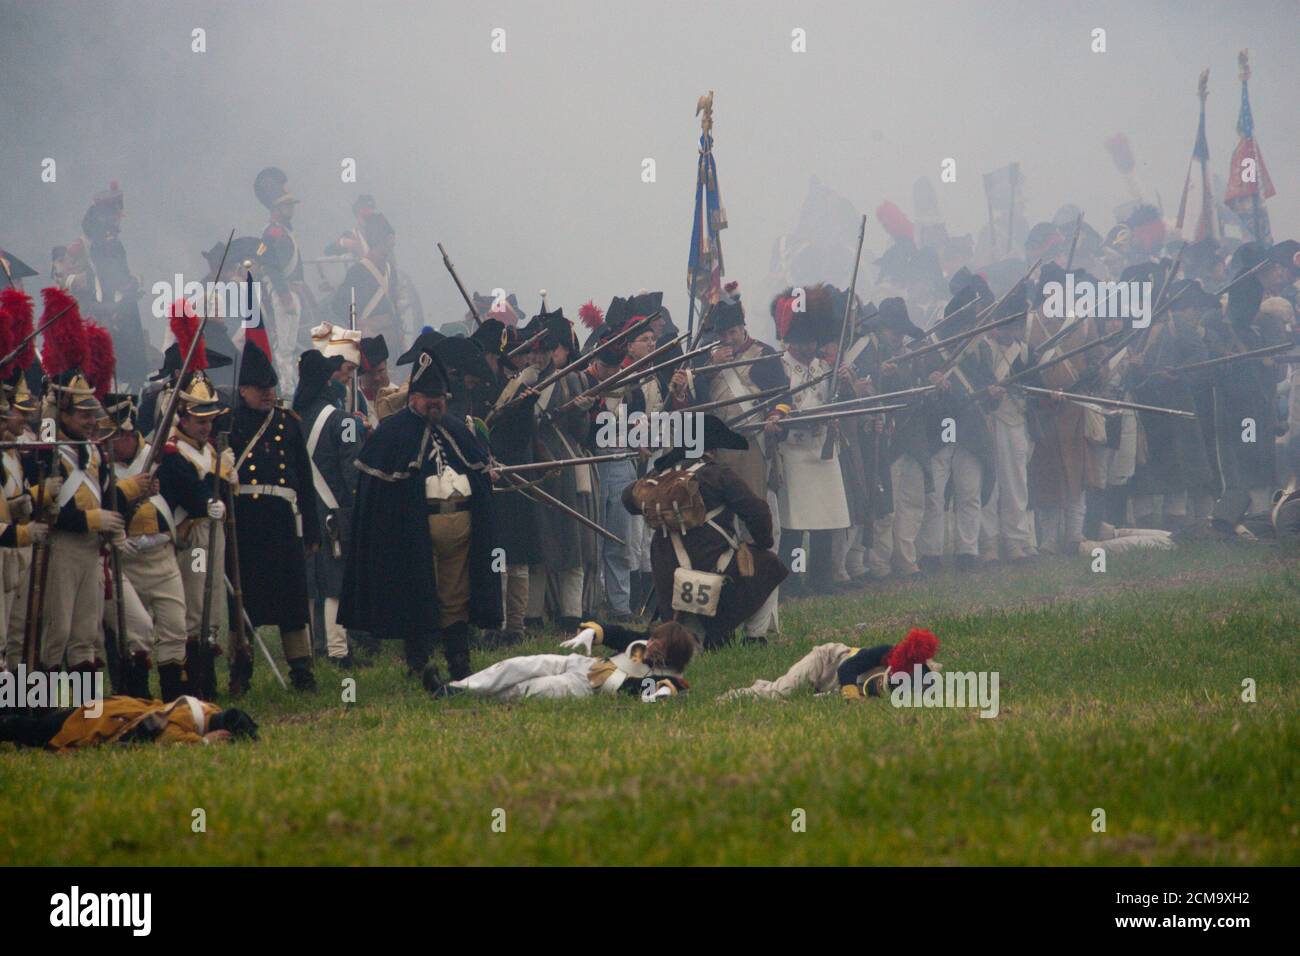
x=171, y=682
x=455, y=644
x=417, y=651
x=137, y=676
x=300, y=674
x=241, y=673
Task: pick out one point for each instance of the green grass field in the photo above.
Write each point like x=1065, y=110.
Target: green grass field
x=1120, y=691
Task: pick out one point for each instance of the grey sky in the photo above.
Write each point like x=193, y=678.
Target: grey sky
x=527, y=164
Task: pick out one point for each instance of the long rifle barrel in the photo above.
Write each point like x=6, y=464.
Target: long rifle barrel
x=564, y=462
x=446, y=261
x=1108, y=402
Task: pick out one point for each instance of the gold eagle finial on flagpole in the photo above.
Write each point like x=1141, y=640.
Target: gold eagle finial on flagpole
x=705, y=105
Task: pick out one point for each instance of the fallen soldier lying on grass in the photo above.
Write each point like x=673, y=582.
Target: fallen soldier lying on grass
x=854, y=671
x=649, y=665
x=120, y=720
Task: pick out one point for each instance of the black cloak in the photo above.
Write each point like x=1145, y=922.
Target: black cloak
x=388, y=581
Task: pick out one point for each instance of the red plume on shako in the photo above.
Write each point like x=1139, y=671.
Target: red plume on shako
x=184, y=324
x=64, y=347
x=591, y=315
x=101, y=362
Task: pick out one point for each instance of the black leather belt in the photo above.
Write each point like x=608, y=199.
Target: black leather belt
x=448, y=507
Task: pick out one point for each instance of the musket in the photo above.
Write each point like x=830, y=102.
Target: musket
x=1074, y=243
x=952, y=362
x=564, y=462
x=1041, y=366
x=846, y=326
x=549, y=499
x=164, y=430
x=629, y=376
x=524, y=346
x=738, y=363
x=776, y=400
x=554, y=377
x=862, y=400
x=115, y=564
x=737, y=399
x=623, y=376
x=800, y=420
x=36, y=575
x=46, y=445
x=1264, y=352
x=948, y=318
x=828, y=448
x=248, y=624
x=1109, y=402
x=959, y=337
x=446, y=261
x=352, y=327
x=242, y=650
x=209, y=576
x=44, y=325
x=1159, y=311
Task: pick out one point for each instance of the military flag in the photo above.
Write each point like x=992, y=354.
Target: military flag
x=1248, y=180
x=704, y=267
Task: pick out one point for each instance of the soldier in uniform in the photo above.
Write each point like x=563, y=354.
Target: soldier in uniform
x=276, y=512
x=155, y=595
x=333, y=438
x=751, y=571
x=189, y=470
x=811, y=496
x=125, y=720
x=107, y=288
x=372, y=376
x=80, y=508
x=569, y=548
x=412, y=579
x=374, y=283
x=293, y=308
x=16, y=425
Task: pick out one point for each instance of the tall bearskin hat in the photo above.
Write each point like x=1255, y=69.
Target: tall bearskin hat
x=1147, y=228
x=816, y=323
x=63, y=353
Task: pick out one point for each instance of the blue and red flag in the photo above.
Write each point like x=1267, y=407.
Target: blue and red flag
x=704, y=268
x=1248, y=180
x=1206, y=226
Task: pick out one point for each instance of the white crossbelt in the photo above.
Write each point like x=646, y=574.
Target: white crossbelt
x=322, y=486
x=288, y=494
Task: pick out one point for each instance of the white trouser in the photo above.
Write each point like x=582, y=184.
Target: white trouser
x=193, y=560
x=18, y=562
x=816, y=669
x=894, y=545
x=963, y=469
x=541, y=675
x=1057, y=526
x=336, y=635
x=1007, y=513
x=74, y=601
x=768, y=616
x=139, y=626
x=848, y=557
x=156, y=580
